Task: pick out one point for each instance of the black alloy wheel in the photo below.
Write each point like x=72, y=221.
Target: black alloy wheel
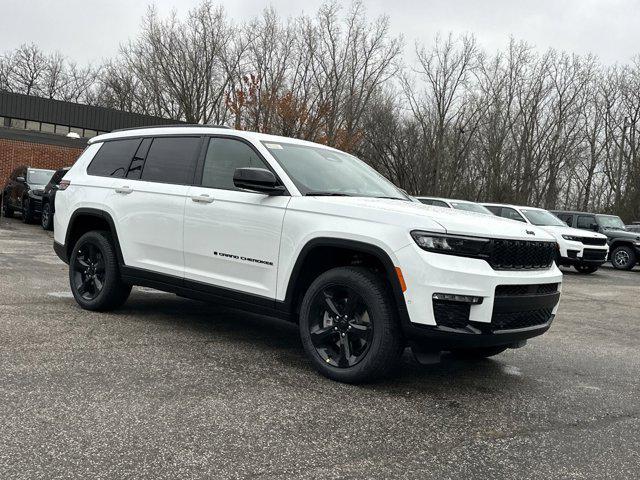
x=89, y=271
x=340, y=327
x=46, y=218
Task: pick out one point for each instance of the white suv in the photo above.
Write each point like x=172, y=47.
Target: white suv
x=585, y=250
x=302, y=232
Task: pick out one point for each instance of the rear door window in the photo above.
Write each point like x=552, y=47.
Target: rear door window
x=171, y=160
x=113, y=158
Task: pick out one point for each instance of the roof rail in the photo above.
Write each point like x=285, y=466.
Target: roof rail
x=189, y=125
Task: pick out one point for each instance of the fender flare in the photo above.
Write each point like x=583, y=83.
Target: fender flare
x=374, y=250
x=101, y=214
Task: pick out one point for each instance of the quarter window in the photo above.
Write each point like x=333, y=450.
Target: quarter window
x=171, y=160
x=113, y=158
x=224, y=155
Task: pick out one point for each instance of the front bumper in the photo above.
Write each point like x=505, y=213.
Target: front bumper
x=494, y=321
x=577, y=253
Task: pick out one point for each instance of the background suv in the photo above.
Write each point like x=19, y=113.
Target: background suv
x=624, y=245
x=23, y=192
x=586, y=251
x=49, y=197
x=302, y=232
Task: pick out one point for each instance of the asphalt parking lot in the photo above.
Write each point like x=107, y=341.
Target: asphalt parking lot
x=172, y=388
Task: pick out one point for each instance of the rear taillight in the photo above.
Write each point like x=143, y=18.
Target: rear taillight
x=64, y=184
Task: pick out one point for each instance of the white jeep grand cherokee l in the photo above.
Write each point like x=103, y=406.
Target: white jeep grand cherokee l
x=302, y=232
x=585, y=250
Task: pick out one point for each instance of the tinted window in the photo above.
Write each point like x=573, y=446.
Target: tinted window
x=171, y=160
x=224, y=155
x=511, y=214
x=585, y=221
x=495, y=210
x=135, y=169
x=113, y=158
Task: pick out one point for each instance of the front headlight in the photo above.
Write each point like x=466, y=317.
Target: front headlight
x=452, y=244
x=571, y=238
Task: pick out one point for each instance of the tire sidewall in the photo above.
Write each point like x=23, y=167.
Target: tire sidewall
x=46, y=220
x=378, y=313
x=26, y=210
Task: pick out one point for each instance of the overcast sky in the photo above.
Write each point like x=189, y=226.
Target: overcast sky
x=89, y=30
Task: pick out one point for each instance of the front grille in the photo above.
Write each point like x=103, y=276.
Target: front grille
x=593, y=241
x=521, y=254
x=592, y=254
x=514, y=320
x=515, y=290
x=451, y=314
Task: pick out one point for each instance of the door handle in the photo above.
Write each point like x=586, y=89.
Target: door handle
x=204, y=198
x=126, y=190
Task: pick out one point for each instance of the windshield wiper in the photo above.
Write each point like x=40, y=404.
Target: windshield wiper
x=326, y=194
x=395, y=198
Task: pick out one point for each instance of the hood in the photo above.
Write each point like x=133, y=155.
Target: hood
x=615, y=233
x=418, y=216
x=575, y=232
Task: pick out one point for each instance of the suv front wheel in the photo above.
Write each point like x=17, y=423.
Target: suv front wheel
x=46, y=219
x=94, y=273
x=623, y=258
x=348, y=326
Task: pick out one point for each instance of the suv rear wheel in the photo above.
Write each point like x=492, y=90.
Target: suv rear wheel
x=348, y=326
x=94, y=274
x=623, y=258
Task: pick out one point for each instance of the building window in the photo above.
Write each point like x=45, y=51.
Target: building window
x=89, y=133
x=62, y=130
x=31, y=125
x=17, y=123
x=47, y=127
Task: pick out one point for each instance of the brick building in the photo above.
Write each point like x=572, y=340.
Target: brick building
x=43, y=133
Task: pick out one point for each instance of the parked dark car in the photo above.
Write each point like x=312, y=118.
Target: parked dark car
x=23, y=192
x=49, y=199
x=624, y=246
x=634, y=227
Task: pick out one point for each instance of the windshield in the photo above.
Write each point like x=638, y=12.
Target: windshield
x=611, y=222
x=39, y=177
x=542, y=218
x=321, y=171
x=470, y=207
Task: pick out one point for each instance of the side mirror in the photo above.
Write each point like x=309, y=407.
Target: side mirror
x=20, y=179
x=594, y=227
x=257, y=180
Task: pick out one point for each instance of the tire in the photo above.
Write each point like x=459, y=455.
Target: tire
x=348, y=326
x=46, y=218
x=94, y=274
x=7, y=210
x=586, y=269
x=623, y=258
x=27, y=211
x=477, y=353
